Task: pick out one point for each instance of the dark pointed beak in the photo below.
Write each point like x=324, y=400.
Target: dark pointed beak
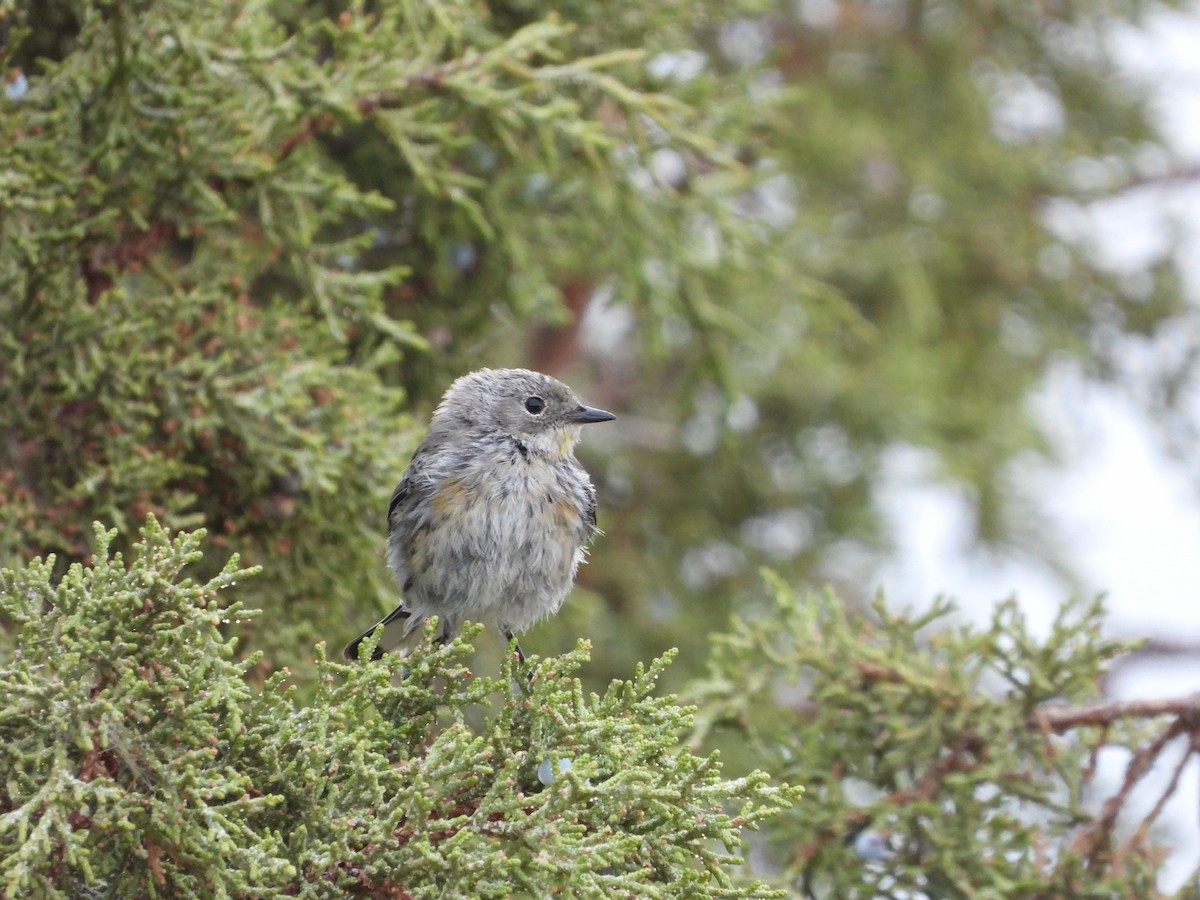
x=585, y=415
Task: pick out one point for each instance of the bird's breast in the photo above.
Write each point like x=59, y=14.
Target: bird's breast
x=520, y=504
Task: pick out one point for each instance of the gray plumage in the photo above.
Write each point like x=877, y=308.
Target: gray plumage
x=491, y=518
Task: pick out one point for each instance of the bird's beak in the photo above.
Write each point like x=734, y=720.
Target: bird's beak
x=584, y=415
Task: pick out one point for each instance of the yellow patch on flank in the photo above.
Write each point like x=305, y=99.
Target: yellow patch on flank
x=566, y=513
x=451, y=497
x=418, y=558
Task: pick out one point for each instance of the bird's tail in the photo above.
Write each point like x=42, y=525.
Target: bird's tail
x=400, y=635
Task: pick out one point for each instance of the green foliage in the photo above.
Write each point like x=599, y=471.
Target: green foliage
x=245, y=247
x=138, y=761
x=233, y=235
x=927, y=734
x=122, y=698
x=241, y=244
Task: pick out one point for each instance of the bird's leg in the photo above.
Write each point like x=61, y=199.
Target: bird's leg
x=512, y=639
x=525, y=685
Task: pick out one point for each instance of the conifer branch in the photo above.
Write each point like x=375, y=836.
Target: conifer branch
x=1059, y=718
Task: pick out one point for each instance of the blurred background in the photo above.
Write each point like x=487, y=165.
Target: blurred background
x=1120, y=497
x=888, y=295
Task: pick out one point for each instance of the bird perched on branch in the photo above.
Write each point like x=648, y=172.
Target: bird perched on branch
x=491, y=518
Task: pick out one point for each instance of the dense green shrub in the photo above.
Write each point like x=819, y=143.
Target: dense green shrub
x=137, y=760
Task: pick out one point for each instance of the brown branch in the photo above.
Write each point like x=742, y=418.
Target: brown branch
x=1094, y=840
x=1185, y=713
x=1060, y=718
x=1054, y=719
x=1139, y=835
x=1154, y=649
x=311, y=126
x=1094, y=754
x=153, y=857
x=969, y=752
x=129, y=253
x=1183, y=176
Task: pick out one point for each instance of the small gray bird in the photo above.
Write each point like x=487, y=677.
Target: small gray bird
x=492, y=516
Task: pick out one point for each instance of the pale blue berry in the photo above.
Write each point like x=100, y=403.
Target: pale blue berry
x=871, y=846
x=17, y=86
x=545, y=772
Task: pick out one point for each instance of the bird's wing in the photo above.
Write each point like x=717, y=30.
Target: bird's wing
x=589, y=507
x=402, y=492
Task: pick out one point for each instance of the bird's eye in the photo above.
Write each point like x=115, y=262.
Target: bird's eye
x=535, y=405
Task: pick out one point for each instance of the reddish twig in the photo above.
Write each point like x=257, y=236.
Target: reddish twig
x=1063, y=718
x=1139, y=835
x=1173, y=178
x=1185, y=713
x=1093, y=841
x=127, y=254
x=961, y=759
x=1048, y=720
x=311, y=126
x=153, y=857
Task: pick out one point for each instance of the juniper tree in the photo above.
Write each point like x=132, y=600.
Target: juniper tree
x=239, y=244
x=234, y=235
x=137, y=760
x=139, y=757
x=942, y=760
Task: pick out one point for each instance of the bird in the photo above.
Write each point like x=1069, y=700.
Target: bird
x=493, y=515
